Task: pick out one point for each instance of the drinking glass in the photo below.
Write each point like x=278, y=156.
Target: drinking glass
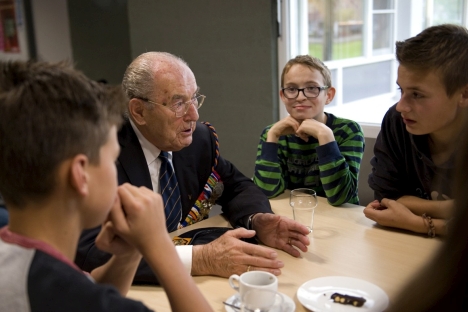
x=303, y=202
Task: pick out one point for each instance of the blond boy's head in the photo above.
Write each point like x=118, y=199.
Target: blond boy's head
x=310, y=62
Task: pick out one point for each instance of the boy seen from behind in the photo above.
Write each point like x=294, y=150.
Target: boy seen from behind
x=58, y=147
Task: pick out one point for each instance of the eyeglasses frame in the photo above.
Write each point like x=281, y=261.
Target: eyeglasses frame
x=187, y=104
x=322, y=88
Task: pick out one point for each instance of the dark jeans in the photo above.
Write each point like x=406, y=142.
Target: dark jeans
x=3, y=216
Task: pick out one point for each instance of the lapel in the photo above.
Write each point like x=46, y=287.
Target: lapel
x=192, y=165
x=131, y=163
x=184, y=166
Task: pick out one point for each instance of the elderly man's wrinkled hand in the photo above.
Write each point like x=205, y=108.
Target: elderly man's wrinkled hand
x=229, y=255
x=281, y=233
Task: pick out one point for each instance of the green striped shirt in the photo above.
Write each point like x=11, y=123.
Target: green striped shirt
x=332, y=169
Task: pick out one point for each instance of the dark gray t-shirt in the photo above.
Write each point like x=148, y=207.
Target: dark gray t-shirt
x=36, y=277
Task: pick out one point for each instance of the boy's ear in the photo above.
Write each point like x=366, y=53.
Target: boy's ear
x=281, y=94
x=79, y=178
x=330, y=94
x=136, y=110
x=464, y=97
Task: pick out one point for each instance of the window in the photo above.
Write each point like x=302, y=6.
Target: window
x=335, y=29
x=356, y=40
x=444, y=11
x=383, y=17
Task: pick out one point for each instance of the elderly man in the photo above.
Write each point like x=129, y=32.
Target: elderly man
x=161, y=136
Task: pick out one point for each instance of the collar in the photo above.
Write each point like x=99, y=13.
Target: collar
x=13, y=238
x=150, y=151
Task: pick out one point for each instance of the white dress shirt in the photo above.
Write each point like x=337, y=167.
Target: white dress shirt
x=151, y=153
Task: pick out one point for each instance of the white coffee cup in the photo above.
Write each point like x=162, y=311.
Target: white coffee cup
x=253, y=280
x=262, y=300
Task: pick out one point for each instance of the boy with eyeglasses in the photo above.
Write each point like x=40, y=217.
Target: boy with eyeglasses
x=310, y=148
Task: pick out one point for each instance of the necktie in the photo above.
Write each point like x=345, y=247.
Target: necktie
x=170, y=193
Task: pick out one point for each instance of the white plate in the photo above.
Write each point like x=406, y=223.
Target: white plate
x=315, y=294
x=234, y=299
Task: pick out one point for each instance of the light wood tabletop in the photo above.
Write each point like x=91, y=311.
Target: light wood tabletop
x=343, y=243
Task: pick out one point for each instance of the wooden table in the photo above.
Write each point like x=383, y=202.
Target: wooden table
x=344, y=243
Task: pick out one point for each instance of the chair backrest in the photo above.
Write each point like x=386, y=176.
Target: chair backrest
x=366, y=194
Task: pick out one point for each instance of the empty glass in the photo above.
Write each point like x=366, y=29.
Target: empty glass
x=303, y=202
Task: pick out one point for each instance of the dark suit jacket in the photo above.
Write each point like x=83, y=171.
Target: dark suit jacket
x=192, y=165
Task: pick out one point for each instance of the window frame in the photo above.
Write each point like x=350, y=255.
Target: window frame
x=293, y=40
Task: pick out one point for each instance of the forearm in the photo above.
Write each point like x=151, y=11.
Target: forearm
x=419, y=224
x=200, y=259
x=419, y=206
x=173, y=277
x=118, y=271
x=345, y=192
x=391, y=213
x=338, y=174
x=268, y=173
x=339, y=184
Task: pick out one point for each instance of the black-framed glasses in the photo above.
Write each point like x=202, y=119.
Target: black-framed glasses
x=181, y=108
x=309, y=92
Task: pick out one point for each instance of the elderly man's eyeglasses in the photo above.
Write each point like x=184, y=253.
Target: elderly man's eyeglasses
x=309, y=92
x=180, y=108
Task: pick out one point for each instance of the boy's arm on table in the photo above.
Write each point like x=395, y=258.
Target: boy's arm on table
x=394, y=214
x=139, y=220
x=440, y=209
x=120, y=270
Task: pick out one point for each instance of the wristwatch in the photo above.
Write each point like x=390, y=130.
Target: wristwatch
x=249, y=222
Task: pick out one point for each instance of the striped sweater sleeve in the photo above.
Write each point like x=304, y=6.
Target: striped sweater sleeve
x=269, y=174
x=339, y=162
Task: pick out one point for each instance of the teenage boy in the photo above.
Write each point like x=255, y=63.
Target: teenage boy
x=415, y=151
x=58, y=146
x=310, y=148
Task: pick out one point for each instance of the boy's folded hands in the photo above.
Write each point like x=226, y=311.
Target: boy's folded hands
x=138, y=218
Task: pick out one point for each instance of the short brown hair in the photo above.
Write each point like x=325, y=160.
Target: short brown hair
x=442, y=48
x=312, y=63
x=49, y=113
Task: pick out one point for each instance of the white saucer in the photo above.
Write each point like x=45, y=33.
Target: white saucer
x=315, y=294
x=234, y=299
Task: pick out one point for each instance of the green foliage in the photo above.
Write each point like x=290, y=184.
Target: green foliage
x=340, y=50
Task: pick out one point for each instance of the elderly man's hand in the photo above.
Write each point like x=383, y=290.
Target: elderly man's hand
x=281, y=233
x=229, y=255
